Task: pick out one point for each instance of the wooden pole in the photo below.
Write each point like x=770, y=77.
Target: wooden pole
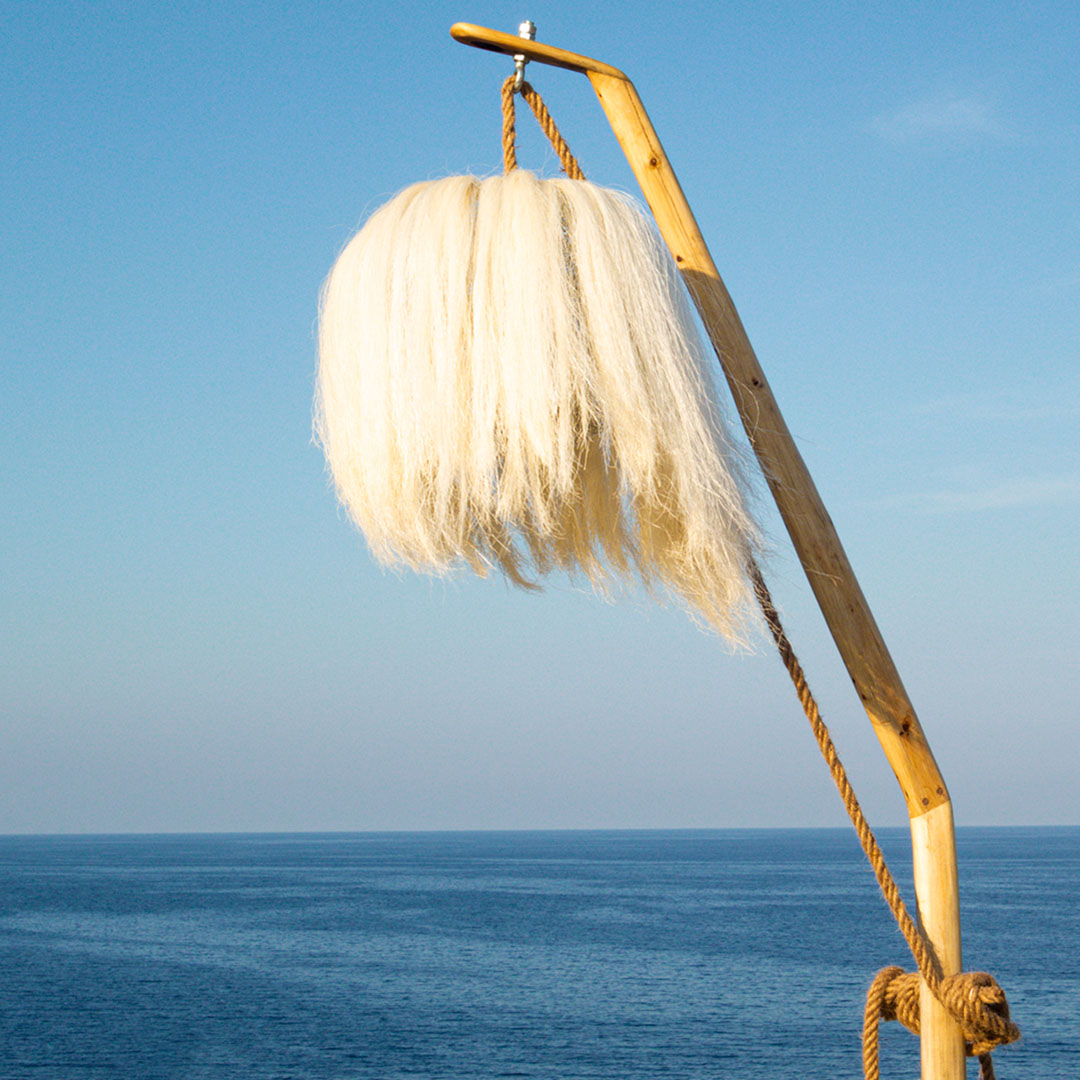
x=813, y=535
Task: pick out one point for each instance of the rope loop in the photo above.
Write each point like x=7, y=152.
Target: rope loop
x=547, y=125
x=973, y=998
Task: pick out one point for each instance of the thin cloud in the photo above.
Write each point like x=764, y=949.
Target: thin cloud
x=1062, y=283
x=1002, y=407
x=1027, y=491
x=947, y=115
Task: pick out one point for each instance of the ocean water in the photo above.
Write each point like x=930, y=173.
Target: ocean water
x=576, y=955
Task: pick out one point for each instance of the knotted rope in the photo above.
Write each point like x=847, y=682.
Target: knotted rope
x=973, y=999
x=970, y=997
x=543, y=118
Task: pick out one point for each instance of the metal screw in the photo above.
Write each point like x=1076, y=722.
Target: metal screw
x=526, y=30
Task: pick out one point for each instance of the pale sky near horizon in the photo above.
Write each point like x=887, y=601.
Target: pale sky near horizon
x=192, y=636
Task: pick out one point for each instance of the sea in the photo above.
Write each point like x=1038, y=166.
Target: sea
x=622, y=955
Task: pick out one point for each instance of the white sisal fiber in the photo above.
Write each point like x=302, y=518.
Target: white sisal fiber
x=508, y=375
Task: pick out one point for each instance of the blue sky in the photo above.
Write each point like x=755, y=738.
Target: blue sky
x=191, y=635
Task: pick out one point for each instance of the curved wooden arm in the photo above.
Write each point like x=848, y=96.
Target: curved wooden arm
x=495, y=41
x=813, y=535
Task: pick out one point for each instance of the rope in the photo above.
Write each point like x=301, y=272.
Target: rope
x=973, y=999
x=547, y=124
x=894, y=995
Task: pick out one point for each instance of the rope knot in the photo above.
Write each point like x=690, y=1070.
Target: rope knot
x=974, y=999
x=978, y=1002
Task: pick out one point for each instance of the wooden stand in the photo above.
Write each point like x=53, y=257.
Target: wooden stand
x=842, y=603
